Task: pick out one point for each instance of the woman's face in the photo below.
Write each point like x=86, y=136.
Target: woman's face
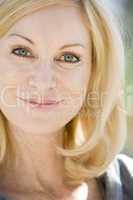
x=45, y=56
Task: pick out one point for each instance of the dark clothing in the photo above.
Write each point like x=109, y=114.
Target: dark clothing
x=117, y=182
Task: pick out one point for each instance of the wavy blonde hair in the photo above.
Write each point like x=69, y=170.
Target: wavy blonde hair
x=98, y=132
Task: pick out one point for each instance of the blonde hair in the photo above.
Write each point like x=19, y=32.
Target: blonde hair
x=94, y=137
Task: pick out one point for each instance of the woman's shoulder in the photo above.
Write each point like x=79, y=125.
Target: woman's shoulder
x=125, y=163
x=118, y=179
x=126, y=175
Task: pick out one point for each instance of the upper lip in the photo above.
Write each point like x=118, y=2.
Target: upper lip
x=43, y=101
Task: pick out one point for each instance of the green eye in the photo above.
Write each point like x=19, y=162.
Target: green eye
x=69, y=58
x=22, y=52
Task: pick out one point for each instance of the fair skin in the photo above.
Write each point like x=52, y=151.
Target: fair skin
x=45, y=74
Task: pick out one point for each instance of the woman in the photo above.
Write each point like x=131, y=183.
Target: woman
x=62, y=112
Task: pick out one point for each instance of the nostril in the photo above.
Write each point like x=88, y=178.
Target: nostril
x=42, y=83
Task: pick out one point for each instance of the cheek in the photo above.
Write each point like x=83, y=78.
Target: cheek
x=10, y=79
x=75, y=86
x=77, y=82
x=10, y=74
x=7, y=97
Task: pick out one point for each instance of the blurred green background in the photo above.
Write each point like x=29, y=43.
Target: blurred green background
x=123, y=11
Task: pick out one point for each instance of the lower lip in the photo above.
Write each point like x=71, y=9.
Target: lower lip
x=41, y=106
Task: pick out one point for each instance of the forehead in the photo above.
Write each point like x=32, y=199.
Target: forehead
x=54, y=23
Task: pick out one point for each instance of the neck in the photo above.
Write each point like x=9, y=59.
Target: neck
x=39, y=170
x=36, y=161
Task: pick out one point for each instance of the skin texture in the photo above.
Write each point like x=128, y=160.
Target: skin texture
x=45, y=74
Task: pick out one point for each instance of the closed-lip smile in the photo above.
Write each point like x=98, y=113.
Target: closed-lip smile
x=45, y=101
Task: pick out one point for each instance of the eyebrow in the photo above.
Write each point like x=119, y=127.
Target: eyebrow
x=72, y=45
x=31, y=42
x=23, y=37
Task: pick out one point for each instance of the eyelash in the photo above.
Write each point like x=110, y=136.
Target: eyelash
x=22, y=48
x=78, y=57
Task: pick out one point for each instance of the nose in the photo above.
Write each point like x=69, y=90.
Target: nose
x=43, y=78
